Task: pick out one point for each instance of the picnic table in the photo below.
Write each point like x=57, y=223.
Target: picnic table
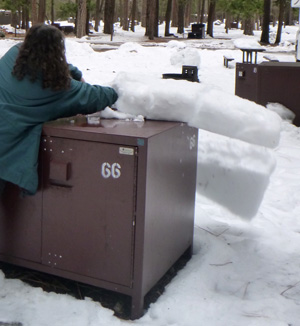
x=248, y=56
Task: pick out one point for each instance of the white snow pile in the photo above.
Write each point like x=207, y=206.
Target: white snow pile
x=247, y=42
x=131, y=47
x=6, y=44
x=183, y=55
x=78, y=49
x=14, y=308
x=282, y=111
x=204, y=107
x=108, y=113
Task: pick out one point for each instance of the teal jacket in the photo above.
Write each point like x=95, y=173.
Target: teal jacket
x=25, y=106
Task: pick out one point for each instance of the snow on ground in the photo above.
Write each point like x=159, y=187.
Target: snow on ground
x=245, y=265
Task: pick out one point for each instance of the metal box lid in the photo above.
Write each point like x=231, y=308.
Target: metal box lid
x=107, y=130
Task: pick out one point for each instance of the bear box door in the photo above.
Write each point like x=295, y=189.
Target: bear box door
x=89, y=208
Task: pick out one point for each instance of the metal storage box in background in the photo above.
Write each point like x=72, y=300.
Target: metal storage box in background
x=5, y=17
x=198, y=31
x=270, y=82
x=115, y=206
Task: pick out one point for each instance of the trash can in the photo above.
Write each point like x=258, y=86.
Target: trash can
x=115, y=207
x=198, y=31
x=234, y=25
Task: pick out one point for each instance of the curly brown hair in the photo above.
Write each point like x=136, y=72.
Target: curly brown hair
x=42, y=55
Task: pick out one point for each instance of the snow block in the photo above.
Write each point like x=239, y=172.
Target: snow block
x=233, y=173
x=203, y=107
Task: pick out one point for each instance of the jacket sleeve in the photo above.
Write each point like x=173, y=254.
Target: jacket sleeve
x=75, y=72
x=83, y=98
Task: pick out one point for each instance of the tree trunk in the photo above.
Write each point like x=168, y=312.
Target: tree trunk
x=121, y=13
x=288, y=14
x=187, y=16
x=248, y=26
x=81, y=18
x=181, y=10
x=266, y=22
x=133, y=13
x=211, y=18
x=175, y=14
x=156, y=19
x=202, y=12
x=228, y=22
x=52, y=12
x=144, y=13
x=168, y=18
x=273, y=12
x=147, y=14
x=98, y=9
x=42, y=11
x=26, y=18
x=34, y=14
x=87, y=19
x=125, y=15
x=199, y=3
x=23, y=26
x=109, y=13
x=151, y=18
x=280, y=21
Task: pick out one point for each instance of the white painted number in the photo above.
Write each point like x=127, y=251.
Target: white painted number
x=116, y=170
x=113, y=170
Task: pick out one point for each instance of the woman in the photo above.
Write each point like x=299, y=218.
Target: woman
x=37, y=85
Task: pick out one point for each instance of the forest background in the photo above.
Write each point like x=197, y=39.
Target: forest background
x=250, y=15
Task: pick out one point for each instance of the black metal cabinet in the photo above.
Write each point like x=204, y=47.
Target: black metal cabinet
x=115, y=208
